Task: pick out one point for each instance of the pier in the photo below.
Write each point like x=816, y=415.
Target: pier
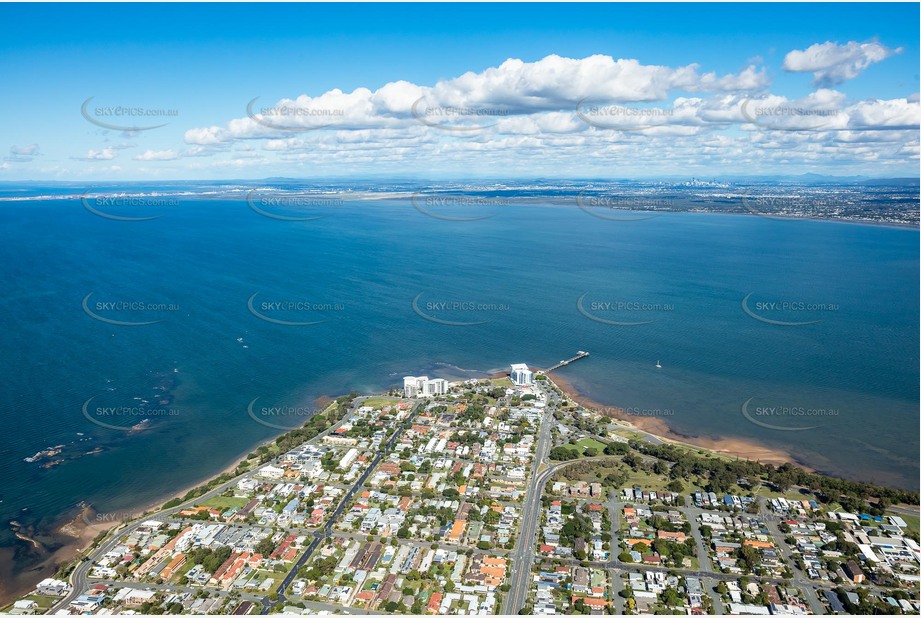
x=563, y=363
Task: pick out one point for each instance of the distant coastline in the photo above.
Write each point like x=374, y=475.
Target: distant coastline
x=885, y=202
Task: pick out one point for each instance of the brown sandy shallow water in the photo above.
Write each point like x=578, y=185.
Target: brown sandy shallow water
x=45, y=552
x=729, y=446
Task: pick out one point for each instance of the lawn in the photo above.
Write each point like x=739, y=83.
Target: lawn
x=503, y=382
x=223, y=503
x=277, y=577
x=585, y=443
x=380, y=402
x=628, y=433
x=647, y=480
x=188, y=566
x=791, y=494
x=43, y=602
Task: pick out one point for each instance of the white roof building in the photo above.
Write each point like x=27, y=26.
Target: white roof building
x=422, y=386
x=271, y=472
x=521, y=375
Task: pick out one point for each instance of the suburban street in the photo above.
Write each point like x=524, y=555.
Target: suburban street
x=79, y=576
x=327, y=529
x=521, y=556
x=806, y=586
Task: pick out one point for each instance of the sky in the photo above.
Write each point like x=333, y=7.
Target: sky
x=246, y=91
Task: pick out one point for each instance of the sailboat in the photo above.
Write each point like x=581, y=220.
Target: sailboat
x=658, y=365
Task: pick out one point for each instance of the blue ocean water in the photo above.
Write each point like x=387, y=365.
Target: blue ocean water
x=369, y=271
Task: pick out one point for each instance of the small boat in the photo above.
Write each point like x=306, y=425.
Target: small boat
x=658, y=365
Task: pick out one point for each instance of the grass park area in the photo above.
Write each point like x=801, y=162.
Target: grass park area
x=584, y=444
x=380, y=402
x=224, y=503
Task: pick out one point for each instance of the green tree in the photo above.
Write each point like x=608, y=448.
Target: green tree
x=265, y=547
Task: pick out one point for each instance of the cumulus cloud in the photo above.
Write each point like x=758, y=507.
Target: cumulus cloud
x=536, y=117
x=828, y=110
x=832, y=64
x=207, y=136
x=891, y=114
x=473, y=101
x=555, y=83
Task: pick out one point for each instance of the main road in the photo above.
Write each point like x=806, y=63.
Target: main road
x=320, y=535
x=523, y=553
x=530, y=517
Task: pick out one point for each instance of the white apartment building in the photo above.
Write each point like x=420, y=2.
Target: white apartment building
x=422, y=386
x=521, y=375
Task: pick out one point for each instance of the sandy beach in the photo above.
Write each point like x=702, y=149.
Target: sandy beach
x=732, y=447
x=68, y=539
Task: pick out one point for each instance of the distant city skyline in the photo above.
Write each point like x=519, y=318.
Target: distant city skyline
x=574, y=91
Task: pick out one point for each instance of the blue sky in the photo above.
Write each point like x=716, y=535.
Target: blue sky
x=437, y=90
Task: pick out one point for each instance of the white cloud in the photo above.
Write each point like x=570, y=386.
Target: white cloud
x=529, y=118
x=157, y=155
x=98, y=155
x=207, y=136
x=892, y=114
x=479, y=100
x=832, y=64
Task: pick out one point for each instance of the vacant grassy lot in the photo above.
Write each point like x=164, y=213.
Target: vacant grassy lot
x=220, y=502
x=380, y=402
